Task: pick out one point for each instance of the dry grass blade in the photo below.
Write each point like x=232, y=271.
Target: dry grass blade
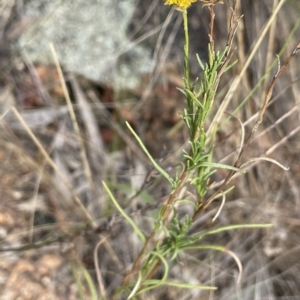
x=83, y=154
x=271, y=88
x=118, y=129
x=97, y=267
x=43, y=93
x=53, y=165
x=234, y=86
x=220, y=208
x=267, y=99
x=96, y=146
x=6, y=7
x=264, y=159
x=35, y=195
x=88, y=117
x=243, y=134
x=283, y=140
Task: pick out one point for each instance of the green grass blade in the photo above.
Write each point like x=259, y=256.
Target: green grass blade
x=156, y=165
x=90, y=284
x=123, y=213
x=77, y=280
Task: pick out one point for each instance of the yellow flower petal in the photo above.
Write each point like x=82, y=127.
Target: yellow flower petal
x=182, y=4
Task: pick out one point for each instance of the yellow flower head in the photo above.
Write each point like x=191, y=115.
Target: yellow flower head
x=181, y=4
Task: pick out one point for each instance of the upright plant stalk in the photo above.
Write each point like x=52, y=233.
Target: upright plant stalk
x=171, y=234
x=197, y=165
x=186, y=51
x=195, y=116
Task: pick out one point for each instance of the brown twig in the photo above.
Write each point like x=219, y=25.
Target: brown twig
x=152, y=235
x=234, y=22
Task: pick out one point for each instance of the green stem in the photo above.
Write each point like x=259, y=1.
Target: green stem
x=186, y=50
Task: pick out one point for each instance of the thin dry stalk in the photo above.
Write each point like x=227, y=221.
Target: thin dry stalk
x=118, y=129
x=238, y=79
x=35, y=194
x=43, y=93
x=97, y=267
x=255, y=127
x=53, y=165
x=270, y=48
x=86, y=166
x=90, y=122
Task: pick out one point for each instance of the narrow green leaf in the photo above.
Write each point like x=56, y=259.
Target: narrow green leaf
x=123, y=213
x=155, y=164
x=200, y=62
x=129, y=189
x=196, y=101
x=182, y=91
x=90, y=283
x=230, y=65
x=223, y=53
x=77, y=280
x=152, y=284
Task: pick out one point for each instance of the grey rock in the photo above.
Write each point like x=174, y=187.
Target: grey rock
x=89, y=37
